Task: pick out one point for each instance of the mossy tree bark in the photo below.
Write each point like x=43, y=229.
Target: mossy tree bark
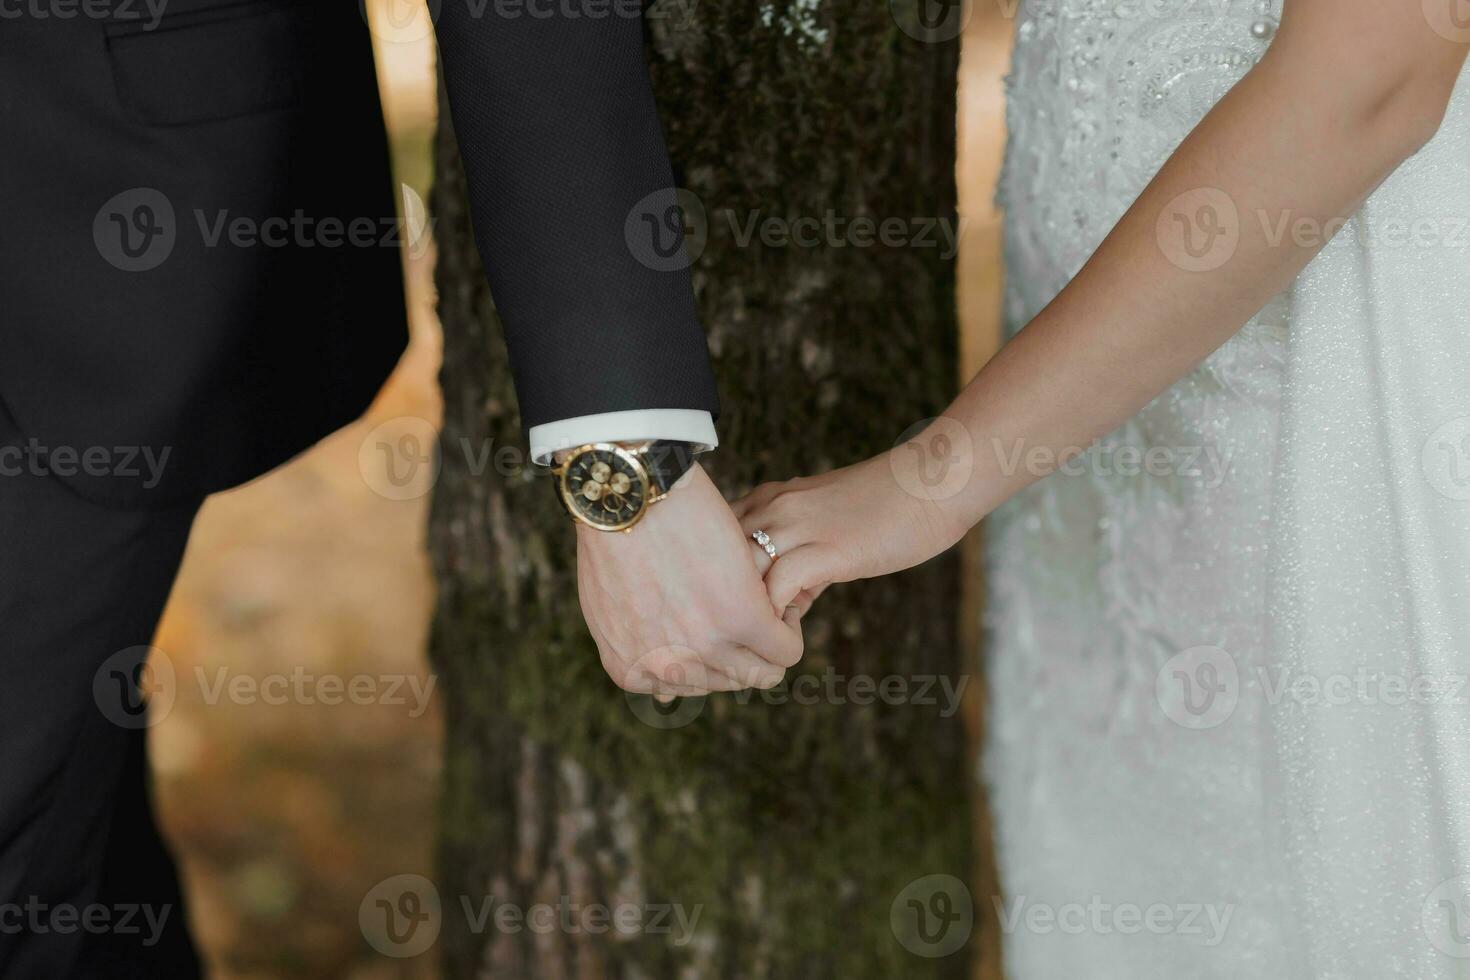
x=788, y=828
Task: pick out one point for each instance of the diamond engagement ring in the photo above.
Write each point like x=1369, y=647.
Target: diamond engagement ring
x=764, y=540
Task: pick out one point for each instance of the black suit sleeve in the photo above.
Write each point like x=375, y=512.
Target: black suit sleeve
x=565, y=157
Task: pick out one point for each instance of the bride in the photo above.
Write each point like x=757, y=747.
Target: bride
x=1230, y=632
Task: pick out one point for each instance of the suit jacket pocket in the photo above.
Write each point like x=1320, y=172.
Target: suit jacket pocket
x=212, y=61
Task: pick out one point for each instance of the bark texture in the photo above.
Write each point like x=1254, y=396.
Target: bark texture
x=788, y=828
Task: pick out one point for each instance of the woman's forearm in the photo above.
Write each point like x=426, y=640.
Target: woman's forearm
x=1307, y=135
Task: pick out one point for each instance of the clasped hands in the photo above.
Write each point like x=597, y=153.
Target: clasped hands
x=688, y=603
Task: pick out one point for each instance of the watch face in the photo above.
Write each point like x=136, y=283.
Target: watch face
x=605, y=486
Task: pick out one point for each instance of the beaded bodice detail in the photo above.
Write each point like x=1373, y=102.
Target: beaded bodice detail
x=1100, y=93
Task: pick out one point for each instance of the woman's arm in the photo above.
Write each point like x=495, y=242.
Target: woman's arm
x=1348, y=91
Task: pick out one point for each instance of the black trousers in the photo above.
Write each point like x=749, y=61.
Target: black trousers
x=87, y=888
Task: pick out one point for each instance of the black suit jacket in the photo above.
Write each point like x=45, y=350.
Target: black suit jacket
x=200, y=253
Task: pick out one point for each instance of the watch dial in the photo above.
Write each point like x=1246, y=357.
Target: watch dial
x=605, y=488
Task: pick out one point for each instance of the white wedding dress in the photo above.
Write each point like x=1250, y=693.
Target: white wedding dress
x=1229, y=723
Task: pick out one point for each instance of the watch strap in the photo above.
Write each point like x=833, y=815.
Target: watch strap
x=667, y=462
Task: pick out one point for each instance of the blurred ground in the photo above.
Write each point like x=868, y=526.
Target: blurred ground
x=286, y=814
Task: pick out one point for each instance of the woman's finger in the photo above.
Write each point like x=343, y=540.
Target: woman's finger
x=662, y=689
x=746, y=669
x=732, y=668
x=774, y=639
x=804, y=600
x=763, y=561
x=674, y=671
x=808, y=568
x=782, y=537
x=755, y=500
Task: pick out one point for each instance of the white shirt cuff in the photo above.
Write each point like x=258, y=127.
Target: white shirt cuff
x=674, y=424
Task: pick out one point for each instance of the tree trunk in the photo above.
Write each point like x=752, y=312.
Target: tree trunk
x=790, y=823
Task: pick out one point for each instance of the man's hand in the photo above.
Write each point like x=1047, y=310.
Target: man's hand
x=677, y=606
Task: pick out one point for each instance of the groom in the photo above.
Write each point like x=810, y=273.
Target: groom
x=200, y=275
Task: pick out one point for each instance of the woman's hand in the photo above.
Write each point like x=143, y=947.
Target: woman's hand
x=1348, y=90
x=858, y=522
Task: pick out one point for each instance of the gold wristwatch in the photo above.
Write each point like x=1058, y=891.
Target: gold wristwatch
x=610, y=487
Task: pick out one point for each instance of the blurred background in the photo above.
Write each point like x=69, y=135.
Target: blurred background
x=286, y=814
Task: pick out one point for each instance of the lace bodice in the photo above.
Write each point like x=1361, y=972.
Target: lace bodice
x=1100, y=93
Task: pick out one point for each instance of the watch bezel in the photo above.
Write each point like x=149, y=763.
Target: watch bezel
x=631, y=457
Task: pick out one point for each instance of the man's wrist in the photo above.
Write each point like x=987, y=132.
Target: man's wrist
x=612, y=486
